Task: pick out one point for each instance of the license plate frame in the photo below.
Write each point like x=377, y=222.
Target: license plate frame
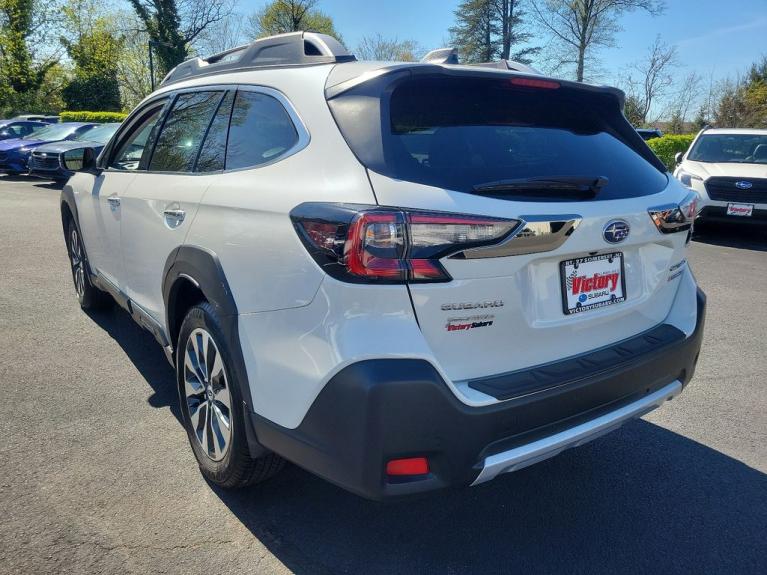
x=574, y=263
x=740, y=210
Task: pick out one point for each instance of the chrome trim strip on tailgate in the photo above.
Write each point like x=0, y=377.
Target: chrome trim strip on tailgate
x=525, y=455
x=535, y=234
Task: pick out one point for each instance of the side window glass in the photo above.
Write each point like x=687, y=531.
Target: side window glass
x=213, y=151
x=130, y=148
x=260, y=131
x=183, y=131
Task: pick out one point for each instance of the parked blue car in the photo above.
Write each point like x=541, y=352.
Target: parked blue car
x=14, y=154
x=13, y=128
x=46, y=160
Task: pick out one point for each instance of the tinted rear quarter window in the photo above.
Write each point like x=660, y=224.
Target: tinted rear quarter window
x=260, y=131
x=213, y=151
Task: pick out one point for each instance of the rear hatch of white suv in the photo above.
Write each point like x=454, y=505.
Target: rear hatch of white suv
x=584, y=261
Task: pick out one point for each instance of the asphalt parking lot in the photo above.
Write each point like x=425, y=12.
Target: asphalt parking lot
x=96, y=475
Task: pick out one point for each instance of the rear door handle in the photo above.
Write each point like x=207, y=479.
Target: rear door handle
x=114, y=201
x=174, y=217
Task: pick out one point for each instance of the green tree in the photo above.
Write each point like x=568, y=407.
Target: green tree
x=19, y=72
x=578, y=27
x=632, y=109
x=173, y=24
x=701, y=117
x=94, y=85
x=281, y=16
x=676, y=123
x=94, y=49
x=486, y=30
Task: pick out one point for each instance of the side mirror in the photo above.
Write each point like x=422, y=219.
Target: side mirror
x=678, y=157
x=80, y=160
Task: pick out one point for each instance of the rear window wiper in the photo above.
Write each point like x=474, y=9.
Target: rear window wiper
x=541, y=185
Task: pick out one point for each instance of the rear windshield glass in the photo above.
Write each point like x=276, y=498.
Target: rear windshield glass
x=730, y=148
x=464, y=132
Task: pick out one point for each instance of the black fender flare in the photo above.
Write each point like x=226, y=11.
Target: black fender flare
x=202, y=268
x=67, y=199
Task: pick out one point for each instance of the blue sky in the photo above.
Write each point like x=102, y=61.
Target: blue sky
x=713, y=37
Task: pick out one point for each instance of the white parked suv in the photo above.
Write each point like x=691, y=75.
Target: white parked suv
x=399, y=276
x=728, y=169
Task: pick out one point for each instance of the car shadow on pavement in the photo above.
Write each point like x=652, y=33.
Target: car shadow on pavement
x=747, y=236
x=641, y=500
x=144, y=352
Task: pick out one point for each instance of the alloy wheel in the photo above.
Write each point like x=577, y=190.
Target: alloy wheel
x=77, y=259
x=206, y=389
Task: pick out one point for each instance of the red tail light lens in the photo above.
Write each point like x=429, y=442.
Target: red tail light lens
x=389, y=245
x=375, y=246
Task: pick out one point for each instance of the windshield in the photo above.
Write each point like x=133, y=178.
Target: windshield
x=461, y=133
x=100, y=134
x=52, y=133
x=730, y=148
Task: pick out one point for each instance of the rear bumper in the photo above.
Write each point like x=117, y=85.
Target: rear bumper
x=382, y=409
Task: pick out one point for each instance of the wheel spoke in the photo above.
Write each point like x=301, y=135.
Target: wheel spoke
x=195, y=405
x=192, y=359
x=220, y=438
x=210, y=446
x=222, y=415
x=199, y=427
x=200, y=345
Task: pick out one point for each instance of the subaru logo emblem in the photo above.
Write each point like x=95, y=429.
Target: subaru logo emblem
x=743, y=185
x=616, y=231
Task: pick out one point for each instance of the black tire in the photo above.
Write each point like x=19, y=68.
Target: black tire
x=234, y=467
x=89, y=296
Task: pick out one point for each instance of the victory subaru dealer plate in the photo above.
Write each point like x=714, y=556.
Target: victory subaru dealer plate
x=592, y=282
x=742, y=210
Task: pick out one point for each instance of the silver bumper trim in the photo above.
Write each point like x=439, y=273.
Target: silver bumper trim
x=525, y=455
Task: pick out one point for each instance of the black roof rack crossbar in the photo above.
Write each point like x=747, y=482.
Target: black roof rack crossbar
x=291, y=49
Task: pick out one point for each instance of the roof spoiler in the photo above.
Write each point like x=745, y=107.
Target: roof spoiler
x=450, y=56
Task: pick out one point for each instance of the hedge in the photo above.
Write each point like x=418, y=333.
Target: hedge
x=666, y=147
x=92, y=116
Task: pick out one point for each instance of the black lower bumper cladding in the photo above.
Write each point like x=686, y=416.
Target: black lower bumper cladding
x=378, y=410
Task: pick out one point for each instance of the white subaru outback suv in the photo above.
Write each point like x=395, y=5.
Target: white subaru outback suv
x=399, y=276
x=728, y=169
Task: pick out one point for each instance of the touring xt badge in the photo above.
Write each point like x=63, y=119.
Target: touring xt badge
x=472, y=305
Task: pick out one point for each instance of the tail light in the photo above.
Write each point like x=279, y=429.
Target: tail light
x=384, y=245
x=676, y=217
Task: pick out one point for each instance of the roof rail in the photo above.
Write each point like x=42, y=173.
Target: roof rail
x=441, y=56
x=282, y=50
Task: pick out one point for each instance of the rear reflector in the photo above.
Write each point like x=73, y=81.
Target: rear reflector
x=410, y=466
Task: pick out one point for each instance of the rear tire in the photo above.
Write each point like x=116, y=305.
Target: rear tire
x=212, y=409
x=89, y=296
